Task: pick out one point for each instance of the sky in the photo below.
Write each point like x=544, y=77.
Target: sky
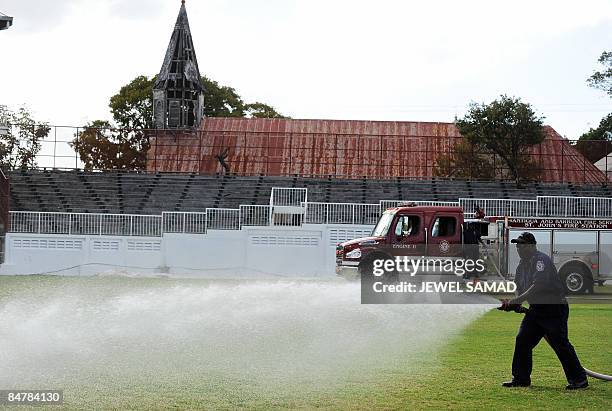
x=332, y=59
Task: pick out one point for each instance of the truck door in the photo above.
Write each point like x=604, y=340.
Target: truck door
x=444, y=236
x=408, y=235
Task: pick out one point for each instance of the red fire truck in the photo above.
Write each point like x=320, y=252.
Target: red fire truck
x=580, y=248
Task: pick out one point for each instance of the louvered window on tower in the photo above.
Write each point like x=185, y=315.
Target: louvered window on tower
x=174, y=113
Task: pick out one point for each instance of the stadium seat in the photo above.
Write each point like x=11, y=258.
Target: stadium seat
x=151, y=193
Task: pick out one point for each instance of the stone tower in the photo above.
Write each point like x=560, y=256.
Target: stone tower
x=178, y=93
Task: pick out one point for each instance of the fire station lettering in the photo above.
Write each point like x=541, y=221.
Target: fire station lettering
x=569, y=223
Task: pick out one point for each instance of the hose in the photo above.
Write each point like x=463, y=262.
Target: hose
x=597, y=375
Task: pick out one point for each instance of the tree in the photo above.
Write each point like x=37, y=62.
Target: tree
x=132, y=107
x=465, y=161
x=102, y=147
x=506, y=127
x=261, y=110
x=596, y=143
x=602, y=80
x=20, y=139
x=123, y=144
x=221, y=101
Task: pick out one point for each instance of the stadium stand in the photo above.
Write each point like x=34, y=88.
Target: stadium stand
x=152, y=193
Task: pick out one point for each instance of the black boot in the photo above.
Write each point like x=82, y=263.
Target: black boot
x=577, y=385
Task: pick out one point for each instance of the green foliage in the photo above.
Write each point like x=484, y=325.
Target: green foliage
x=597, y=142
x=221, y=101
x=465, y=161
x=224, y=101
x=469, y=161
x=20, y=138
x=101, y=147
x=261, y=110
x=132, y=107
x=507, y=128
x=602, y=80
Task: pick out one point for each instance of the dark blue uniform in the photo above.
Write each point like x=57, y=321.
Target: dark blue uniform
x=547, y=316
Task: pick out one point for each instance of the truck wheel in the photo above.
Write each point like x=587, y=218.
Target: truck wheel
x=576, y=281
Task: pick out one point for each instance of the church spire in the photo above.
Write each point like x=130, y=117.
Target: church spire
x=178, y=98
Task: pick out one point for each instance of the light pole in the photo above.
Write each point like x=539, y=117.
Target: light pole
x=5, y=21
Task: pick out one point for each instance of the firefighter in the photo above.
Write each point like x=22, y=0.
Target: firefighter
x=539, y=284
x=479, y=213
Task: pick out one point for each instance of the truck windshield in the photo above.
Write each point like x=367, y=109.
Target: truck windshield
x=383, y=224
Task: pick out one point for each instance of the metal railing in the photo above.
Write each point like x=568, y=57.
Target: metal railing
x=262, y=215
x=288, y=197
x=595, y=207
x=341, y=213
x=222, y=219
x=500, y=207
x=184, y=222
x=86, y=224
x=542, y=206
x=255, y=215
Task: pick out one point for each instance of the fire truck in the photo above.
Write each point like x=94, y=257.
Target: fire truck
x=580, y=248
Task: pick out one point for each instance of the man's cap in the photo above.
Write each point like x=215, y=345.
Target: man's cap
x=525, y=238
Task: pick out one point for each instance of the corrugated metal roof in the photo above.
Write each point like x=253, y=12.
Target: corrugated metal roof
x=340, y=148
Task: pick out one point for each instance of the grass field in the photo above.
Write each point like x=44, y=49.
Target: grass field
x=465, y=375
x=473, y=365
x=115, y=343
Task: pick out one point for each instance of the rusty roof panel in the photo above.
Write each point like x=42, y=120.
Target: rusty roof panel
x=340, y=148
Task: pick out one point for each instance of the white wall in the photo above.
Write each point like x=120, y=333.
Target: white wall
x=307, y=251
x=79, y=255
